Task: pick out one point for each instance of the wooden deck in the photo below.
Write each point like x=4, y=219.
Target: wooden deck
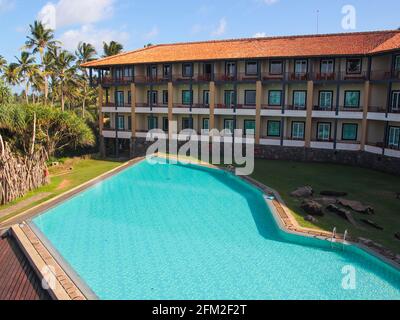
x=18, y=280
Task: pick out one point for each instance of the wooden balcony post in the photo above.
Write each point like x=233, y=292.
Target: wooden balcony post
x=212, y=105
x=170, y=107
x=133, y=109
x=101, y=121
x=258, y=111
x=310, y=99
x=364, y=125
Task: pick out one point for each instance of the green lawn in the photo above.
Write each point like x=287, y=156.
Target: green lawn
x=67, y=176
x=369, y=187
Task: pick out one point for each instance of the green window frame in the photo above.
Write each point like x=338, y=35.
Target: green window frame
x=165, y=97
x=327, y=66
x=129, y=123
x=395, y=103
x=229, y=124
x=298, y=130
x=152, y=97
x=187, y=97
x=206, y=98
x=352, y=99
x=152, y=123
x=165, y=124
x=251, y=68
x=249, y=127
x=299, y=99
x=349, y=131
x=250, y=97
x=324, y=131
x=394, y=137
x=129, y=97
x=326, y=99
x=274, y=128
x=397, y=63
x=187, y=123
x=120, y=97
x=276, y=67
x=301, y=66
x=230, y=98
x=187, y=70
x=121, y=123
x=206, y=124
x=275, y=97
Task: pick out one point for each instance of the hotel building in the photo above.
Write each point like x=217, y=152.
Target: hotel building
x=338, y=92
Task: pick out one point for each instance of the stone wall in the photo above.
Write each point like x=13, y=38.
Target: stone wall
x=351, y=158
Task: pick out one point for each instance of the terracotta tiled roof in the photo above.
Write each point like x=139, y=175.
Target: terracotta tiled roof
x=361, y=43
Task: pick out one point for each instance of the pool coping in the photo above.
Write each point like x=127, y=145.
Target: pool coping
x=69, y=286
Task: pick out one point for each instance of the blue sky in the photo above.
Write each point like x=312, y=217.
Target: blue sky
x=138, y=22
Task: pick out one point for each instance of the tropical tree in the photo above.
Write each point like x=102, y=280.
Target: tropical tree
x=85, y=53
x=5, y=93
x=26, y=69
x=112, y=48
x=11, y=74
x=3, y=64
x=40, y=40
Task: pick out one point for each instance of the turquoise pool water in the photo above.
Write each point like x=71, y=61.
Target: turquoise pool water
x=188, y=232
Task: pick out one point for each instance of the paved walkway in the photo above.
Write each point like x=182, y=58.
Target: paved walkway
x=23, y=204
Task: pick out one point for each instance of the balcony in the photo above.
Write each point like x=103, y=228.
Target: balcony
x=350, y=109
x=116, y=81
x=295, y=108
x=323, y=108
x=140, y=79
x=154, y=105
x=385, y=75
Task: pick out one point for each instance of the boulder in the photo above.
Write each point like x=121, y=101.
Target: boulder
x=312, y=208
x=303, y=192
x=333, y=193
x=311, y=219
x=356, y=206
x=371, y=224
x=343, y=213
x=326, y=200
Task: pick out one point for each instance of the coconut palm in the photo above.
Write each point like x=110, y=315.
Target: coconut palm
x=85, y=53
x=3, y=64
x=40, y=40
x=26, y=68
x=11, y=74
x=112, y=48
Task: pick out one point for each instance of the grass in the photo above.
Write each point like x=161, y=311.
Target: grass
x=370, y=187
x=68, y=175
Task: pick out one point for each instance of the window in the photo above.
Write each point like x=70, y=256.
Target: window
x=121, y=123
x=229, y=125
x=165, y=97
x=187, y=97
x=300, y=66
x=275, y=97
x=298, y=130
x=120, y=98
x=395, y=104
x=118, y=73
x=250, y=97
x=273, y=128
x=397, y=63
x=251, y=68
x=152, y=97
x=129, y=98
x=249, y=127
x=152, y=123
x=129, y=123
x=187, y=70
x=187, y=123
x=276, y=67
x=323, y=131
x=230, y=69
x=208, y=69
x=394, y=137
x=299, y=99
x=165, y=124
x=352, y=99
x=230, y=98
x=152, y=71
x=349, y=131
x=353, y=66
x=327, y=66
x=206, y=98
x=128, y=72
x=167, y=71
x=206, y=124
x=325, y=99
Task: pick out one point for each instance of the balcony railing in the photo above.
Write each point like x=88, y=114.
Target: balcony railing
x=350, y=109
x=118, y=105
x=269, y=107
x=381, y=109
x=154, y=105
x=116, y=80
x=295, y=107
x=385, y=75
x=322, y=108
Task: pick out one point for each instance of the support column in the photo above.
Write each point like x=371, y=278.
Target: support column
x=101, y=122
x=212, y=105
x=310, y=100
x=364, y=125
x=133, y=118
x=258, y=111
x=170, y=107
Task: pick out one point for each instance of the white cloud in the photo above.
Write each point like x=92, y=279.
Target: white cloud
x=6, y=5
x=154, y=32
x=70, y=12
x=221, y=29
x=259, y=35
x=89, y=33
x=270, y=2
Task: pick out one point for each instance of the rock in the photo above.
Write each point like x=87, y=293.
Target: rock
x=333, y=193
x=356, y=206
x=312, y=208
x=371, y=224
x=365, y=241
x=326, y=200
x=397, y=235
x=311, y=219
x=343, y=213
x=303, y=192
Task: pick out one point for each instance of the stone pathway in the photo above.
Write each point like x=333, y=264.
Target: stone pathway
x=23, y=204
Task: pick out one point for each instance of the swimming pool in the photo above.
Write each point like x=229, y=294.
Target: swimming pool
x=173, y=231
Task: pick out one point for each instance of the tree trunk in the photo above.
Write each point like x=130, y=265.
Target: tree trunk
x=26, y=92
x=62, y=99
x=33, y=134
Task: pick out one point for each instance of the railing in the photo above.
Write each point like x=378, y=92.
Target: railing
x=377, y=109
x=114, y=80
x=119, y=105
x=350, y=109
x=320, y=108
x=154, y=105
x=269, y=107
x=294, y=107
x=385, y=75
x=151, y=79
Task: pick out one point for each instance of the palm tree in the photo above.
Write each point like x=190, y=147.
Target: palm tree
x=85, y=53
x=64, y=72
x=41, y=39
x=112, y=49
x=26, y=69
x=11, y=74
x=3, y=63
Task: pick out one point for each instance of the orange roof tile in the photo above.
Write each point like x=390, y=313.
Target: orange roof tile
x=361, y=43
